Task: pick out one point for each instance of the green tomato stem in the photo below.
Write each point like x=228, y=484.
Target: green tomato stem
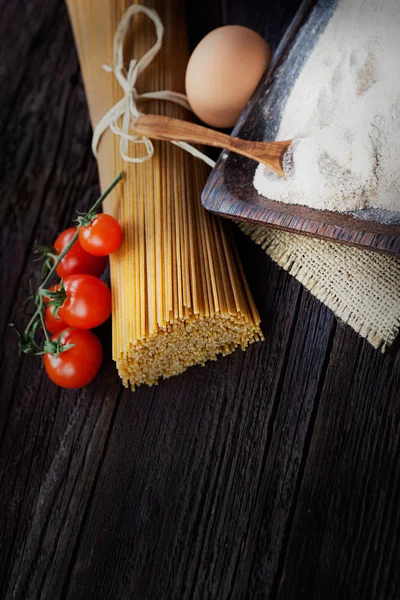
x=106, y=193
x=59, y=259
x=46, y=333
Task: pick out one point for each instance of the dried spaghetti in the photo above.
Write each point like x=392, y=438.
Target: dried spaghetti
x=179, y=293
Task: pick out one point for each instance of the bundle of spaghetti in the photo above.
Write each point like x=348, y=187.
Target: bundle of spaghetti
x=179, y=293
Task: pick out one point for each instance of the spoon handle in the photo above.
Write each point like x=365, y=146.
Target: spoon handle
x=167, y=128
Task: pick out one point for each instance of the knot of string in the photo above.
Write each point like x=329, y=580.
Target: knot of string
x=126, y=108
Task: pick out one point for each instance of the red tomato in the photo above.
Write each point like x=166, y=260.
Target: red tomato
x=77, y=366
x=77, y=260
x=102, y=236
x=53, y=323
x=88, y=303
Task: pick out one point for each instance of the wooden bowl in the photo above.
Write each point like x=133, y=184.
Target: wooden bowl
x=229, y=190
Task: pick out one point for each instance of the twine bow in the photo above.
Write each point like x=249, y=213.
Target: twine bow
x=127, y=106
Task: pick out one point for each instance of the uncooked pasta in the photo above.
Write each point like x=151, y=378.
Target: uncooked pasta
x=179, y=293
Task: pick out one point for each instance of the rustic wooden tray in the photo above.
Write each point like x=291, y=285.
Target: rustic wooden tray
x=229, y=190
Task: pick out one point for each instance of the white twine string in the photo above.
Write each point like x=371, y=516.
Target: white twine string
x=127, y=106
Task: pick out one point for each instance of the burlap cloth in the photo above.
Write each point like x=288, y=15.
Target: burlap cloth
x=361, y=287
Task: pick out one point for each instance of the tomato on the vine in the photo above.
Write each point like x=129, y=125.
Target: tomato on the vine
x=52, y=322
x=77, y=260
x=88, y=302
x=102, y=236
x=77, y=366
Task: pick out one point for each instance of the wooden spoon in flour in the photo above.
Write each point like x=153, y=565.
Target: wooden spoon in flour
x=166, y=128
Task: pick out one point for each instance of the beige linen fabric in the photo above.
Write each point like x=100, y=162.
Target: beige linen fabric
x=361, y=287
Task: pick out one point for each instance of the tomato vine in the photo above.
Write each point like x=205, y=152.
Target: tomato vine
x=44, y=297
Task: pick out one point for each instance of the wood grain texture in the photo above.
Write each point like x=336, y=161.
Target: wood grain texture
x=271, y=473
x=229, y=190
x=356, y=445
x=159, y=127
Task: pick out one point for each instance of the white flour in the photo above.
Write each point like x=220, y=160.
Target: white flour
x=343, y=114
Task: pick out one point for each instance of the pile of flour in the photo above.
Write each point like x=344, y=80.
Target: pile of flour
x=343, y=115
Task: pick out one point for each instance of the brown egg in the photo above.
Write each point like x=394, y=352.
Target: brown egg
x=223, y=72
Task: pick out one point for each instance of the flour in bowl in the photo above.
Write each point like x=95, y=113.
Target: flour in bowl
x=343, y=115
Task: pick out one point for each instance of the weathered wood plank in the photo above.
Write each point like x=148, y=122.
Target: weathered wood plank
x=47, y=166
x=195, y=488
x=344, y=538
x=51, y=440
x=51, y=451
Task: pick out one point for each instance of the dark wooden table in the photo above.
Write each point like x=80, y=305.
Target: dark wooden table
x=268, y=474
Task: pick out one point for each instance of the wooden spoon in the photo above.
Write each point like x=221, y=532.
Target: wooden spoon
x=167, y=128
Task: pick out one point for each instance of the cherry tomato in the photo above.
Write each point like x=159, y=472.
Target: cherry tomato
x=53, y=323
x=102, y=236
x=77, y=260
x=88, y=302
x=77, y=366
